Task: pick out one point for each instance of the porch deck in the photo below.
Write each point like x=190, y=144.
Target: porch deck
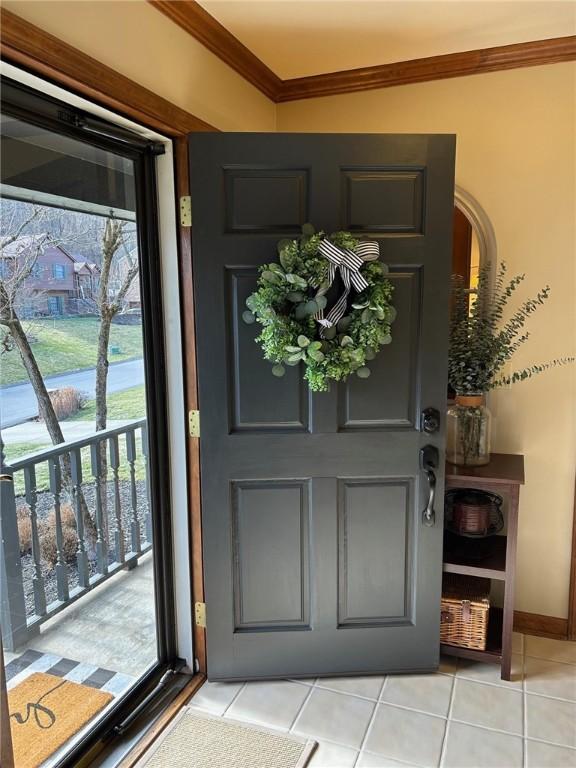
x=112, y=627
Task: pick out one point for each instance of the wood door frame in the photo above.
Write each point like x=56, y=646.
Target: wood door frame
x=39, y=53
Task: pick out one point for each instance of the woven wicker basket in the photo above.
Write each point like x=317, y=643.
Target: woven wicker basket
x=464, y=612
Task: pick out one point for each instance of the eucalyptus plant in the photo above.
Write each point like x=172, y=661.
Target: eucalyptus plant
x=481, y=343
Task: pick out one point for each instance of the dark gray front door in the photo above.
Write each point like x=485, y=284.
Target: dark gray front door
x=316, y=557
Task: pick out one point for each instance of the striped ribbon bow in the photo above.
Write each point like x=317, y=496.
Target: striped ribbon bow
x=348, y=263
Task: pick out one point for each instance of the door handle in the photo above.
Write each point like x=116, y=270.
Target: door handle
x=429, y=460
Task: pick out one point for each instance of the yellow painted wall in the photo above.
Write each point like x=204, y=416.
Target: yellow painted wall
x=135, y=39
x=516, y=155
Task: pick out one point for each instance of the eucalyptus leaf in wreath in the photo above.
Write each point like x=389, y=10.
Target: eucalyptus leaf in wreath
x=333, y=337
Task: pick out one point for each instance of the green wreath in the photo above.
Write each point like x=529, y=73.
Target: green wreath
x=291, y=305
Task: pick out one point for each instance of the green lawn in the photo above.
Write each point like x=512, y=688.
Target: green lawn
x=69, y=344
x=16, y=450
x=128, y=404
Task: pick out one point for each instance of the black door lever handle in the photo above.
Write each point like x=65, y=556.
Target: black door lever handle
x=429, y=459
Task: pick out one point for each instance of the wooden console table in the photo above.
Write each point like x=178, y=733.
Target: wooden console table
x=503, y=475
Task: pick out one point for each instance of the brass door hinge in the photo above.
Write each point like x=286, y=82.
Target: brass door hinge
x=200, y=614
x=186, y=211
x=194, y=423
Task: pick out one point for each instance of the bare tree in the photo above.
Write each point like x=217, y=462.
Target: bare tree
x=114, y=284
x=16, y=266
x=115, y=280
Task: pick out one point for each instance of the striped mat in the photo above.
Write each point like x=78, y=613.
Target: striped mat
x=32, y=661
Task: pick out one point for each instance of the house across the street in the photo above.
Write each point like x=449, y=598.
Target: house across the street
x=59, y=283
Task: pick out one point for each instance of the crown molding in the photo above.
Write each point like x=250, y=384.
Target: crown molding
x=30, y=47
x=531, y=54
x=189, y=15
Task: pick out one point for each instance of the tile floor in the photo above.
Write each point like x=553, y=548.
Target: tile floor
x=462, y=717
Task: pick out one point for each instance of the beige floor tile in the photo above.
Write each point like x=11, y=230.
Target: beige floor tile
x=335, y=717
x=518, y=642
x=471, y=747
x=490, y=673
x=550, y=678
x=274, y=704
x=489, y=705
x=333, y=756
x=548, y=756
x=429, y=693
x=406, y=736
x=369, y=760
x=554, y=650
x=551, y=720
x=215, y=697
x=369, y=687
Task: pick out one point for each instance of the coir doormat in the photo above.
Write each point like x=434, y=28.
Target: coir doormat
x=45, y=711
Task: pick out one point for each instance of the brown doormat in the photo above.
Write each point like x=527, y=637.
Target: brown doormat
x=45, y=711
x=196, y=740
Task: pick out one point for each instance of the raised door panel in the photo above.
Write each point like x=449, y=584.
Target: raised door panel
x=258, y=401
x=271, y=555
x=265, y=200
x=386, y=201
x=388, y=399
x=375, y=535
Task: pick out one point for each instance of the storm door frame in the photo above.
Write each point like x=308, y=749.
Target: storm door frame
x=25, y=103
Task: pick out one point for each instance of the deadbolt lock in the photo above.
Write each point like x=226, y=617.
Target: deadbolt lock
x=430, y=420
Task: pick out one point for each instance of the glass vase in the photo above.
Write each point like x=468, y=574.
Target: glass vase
x=468, y=426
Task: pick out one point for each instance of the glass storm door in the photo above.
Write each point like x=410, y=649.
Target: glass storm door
x=85, y=560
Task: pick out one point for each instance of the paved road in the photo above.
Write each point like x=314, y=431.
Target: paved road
x=36, y=432
x=18, y=402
